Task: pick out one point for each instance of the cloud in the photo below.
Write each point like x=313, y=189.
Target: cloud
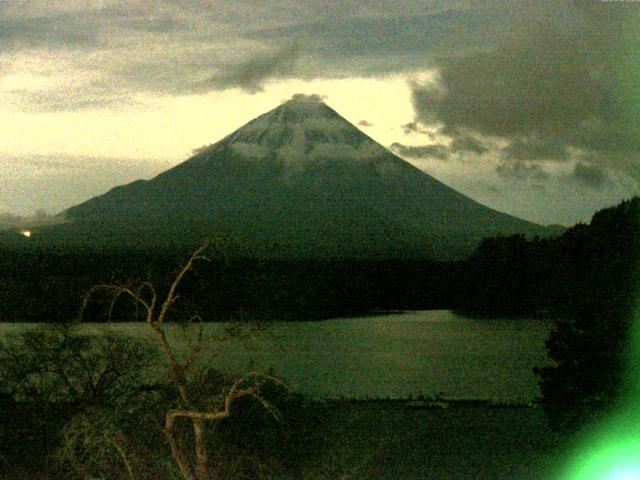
x=561, y=78
x=462, y=145
x=382, y=37
x=365, y=150
x=422, y=151
x=83, y=25
x=251, y=74
x=193, y=47
x=10, y=220
x=58, y=30
x=535, y=80
x=365, y=123
x=589, y=175
x=414, y=128
x=521, y=171
x=468, y=144
x=527, y=149
x=249, y=150
x=303, y=97
x=72, y=98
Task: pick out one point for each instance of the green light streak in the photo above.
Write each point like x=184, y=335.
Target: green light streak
x=610, y=450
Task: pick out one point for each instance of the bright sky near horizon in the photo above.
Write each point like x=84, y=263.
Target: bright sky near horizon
x=531, y=108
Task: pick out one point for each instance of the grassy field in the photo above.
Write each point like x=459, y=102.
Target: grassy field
x=408, y=440
x=393, y=440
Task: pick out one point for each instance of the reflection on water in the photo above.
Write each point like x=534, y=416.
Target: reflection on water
x=389, y=356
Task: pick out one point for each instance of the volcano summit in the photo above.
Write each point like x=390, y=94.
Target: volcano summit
x=298, y=181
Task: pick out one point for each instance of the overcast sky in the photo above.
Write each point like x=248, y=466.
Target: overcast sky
x=532, y=108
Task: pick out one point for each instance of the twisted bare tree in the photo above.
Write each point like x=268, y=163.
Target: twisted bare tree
x=156, y=311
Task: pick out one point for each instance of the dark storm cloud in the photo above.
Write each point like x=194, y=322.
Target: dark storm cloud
x=422, y=151
x=589, y=175
x=419, y=36
x=174, y=48
x=339, y=42
x=565, y=76
x=542, y=74
x=55, y=31
x=251, y=74
x=531, y=84
x=25, y=25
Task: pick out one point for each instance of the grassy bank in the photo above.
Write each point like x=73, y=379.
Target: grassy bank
x=409, y=440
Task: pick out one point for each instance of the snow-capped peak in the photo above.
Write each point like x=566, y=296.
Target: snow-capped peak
x=301, y=130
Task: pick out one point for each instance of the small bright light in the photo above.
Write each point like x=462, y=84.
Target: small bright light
x=26, y=233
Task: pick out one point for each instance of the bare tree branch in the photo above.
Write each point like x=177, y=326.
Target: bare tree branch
x=118, y=444
x=116, y=291
x=247, y=386
x=171, y=296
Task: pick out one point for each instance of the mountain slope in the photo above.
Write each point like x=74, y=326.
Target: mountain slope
x=299, y=180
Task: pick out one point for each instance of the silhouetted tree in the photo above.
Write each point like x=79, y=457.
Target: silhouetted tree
x=53, y=375
x=596, y=283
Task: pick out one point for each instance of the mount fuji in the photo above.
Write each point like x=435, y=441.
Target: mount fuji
x=297, y=181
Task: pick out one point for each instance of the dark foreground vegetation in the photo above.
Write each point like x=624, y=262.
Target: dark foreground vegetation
x=358, y=440
x=77, y=407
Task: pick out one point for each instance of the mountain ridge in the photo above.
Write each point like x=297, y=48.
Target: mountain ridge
x=298, y=180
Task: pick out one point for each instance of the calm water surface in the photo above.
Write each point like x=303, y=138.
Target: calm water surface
x=390, y=356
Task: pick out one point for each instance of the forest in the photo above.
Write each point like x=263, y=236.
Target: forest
x=48, y=286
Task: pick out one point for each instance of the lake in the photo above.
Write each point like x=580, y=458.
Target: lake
x=399, y=355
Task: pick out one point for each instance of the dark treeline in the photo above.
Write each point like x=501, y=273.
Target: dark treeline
x=49, y=286
x=588, y=268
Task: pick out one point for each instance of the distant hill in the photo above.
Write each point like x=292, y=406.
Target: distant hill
x=298, y=181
